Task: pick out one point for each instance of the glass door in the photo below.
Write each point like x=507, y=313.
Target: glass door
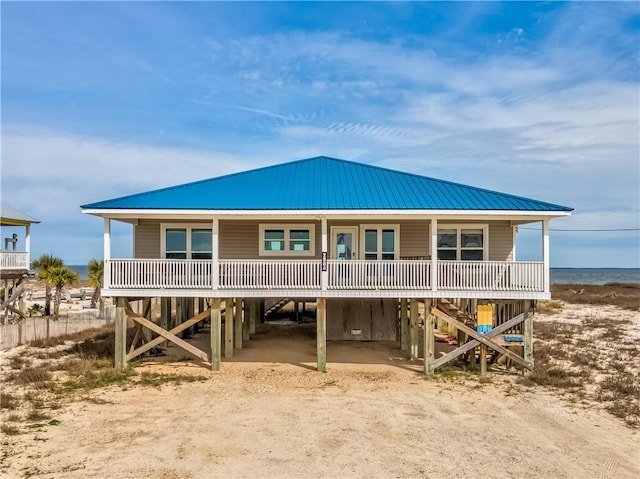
x=344, y=242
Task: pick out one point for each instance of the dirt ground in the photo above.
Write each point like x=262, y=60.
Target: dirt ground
x=269, y=414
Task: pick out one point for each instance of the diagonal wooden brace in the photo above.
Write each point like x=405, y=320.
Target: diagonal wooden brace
x=472, y=344
x=480, y=339
x=170, y=336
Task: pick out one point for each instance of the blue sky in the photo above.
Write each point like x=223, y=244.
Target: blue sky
x=536, y=99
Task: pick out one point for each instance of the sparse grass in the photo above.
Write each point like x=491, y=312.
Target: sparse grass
x=623, y=295
x=596, y=350
x=549, y=307
x=48, y=354
x=37, y=415
x=561, y=331
x=87, y=374
x=617, y=392
x=79, y=336
x=156, y=379
x=551, y=373
x=446, y=373
x=18, y=362
x=36, y=400
x=8, y=401
x=37, y=377
x=9, y=430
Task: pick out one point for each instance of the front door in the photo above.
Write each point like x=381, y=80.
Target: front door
x=344, y=242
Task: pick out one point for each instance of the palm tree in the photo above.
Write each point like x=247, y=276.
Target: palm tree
x=43, y=264
x=59, y=277
x=96, y=273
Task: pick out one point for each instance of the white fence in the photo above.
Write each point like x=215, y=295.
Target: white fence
x=14, y=260
x=498, y=276
x=30, y=329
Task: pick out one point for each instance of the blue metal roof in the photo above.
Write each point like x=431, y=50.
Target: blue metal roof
x=323, y=183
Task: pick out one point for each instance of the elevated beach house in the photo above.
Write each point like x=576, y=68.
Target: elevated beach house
x=15, y=254
x=366, y=244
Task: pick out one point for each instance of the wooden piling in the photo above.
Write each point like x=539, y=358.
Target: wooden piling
x=120, y=336
x=216, y=334
x=429, y=337
x=414, y=333
x=404, y=325
x=253, y=316
x=179, y=316
x=528, y=337
x=246, y=328
x=165, y=316
x=321, y=334
x=228, y=328
x=238, y=324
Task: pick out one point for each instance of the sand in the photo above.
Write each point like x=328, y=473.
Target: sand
x=268, y=414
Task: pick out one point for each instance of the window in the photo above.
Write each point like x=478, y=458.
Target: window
x=200, y=244
x=186, y=242
x=380, y=242
x=287, y=240
x=462, y=243
x=176, y=243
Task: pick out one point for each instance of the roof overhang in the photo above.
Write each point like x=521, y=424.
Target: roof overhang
x=13, y=222
x=516, y=217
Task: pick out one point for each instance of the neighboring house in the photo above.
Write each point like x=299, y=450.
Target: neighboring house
x=14, y=264
x=353, y=237
x=13, y=261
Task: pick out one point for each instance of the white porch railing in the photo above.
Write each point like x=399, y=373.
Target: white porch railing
x=399, y=275
x=158, y=273
x=489, y=276
x=14, y=260
x=269, y=274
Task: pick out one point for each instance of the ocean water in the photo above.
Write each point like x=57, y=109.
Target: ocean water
x=594, y=275
x=81, y=269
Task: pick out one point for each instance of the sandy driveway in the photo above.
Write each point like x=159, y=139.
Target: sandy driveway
x=284, y=420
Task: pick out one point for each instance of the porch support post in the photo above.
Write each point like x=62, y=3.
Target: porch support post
x=434, y=254
x=528, y=337
x=324, y=275
x=216, y=334
x=404, y=325
x=27, y=245
x=165, y=316
x=238, y=324
x=106, y=255
x=413, y=311
x=179, y=318
x=246, y=335
x=429, y=337
x=253, y=315
x=545, y=253
x=483, y=359
x=321, y=334
x=228, y=328
x=215, y=264
x=146, y=311
x=120, y=336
